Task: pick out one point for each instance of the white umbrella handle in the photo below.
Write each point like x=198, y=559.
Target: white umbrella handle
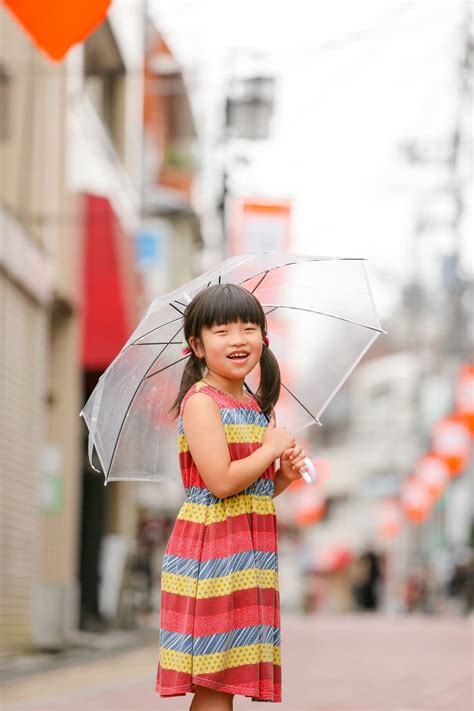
x=310, y=476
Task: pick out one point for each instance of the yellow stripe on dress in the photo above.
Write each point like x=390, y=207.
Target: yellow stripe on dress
x=214, y=587
x=235, y=434
x=232, y=506
x=209, y=663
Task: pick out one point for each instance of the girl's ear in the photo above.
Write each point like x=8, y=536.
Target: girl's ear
x=196, y=345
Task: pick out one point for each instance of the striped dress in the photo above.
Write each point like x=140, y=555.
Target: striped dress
x=220, y=606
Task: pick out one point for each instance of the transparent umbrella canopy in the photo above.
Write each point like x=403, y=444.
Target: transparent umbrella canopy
x=321, y=320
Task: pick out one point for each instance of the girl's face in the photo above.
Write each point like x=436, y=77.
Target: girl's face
x=231, y=350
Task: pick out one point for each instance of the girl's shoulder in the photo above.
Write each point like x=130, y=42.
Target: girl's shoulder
x=223, y=401
x=199, y=387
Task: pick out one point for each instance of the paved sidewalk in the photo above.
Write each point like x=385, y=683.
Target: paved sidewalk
x=85, y=647
x=352, y=663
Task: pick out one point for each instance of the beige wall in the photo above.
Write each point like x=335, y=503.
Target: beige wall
x=23, y=347
x=39, y=337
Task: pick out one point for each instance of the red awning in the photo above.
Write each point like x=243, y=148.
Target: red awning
x=111, y=286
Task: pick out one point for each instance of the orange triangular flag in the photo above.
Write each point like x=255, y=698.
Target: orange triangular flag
x=55, y=25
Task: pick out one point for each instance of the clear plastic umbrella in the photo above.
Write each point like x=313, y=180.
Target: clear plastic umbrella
x=321, y=320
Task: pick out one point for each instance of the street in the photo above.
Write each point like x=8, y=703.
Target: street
x=356, y=663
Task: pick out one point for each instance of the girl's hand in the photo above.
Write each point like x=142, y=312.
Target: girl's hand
x=292, y=462
x=278, y=438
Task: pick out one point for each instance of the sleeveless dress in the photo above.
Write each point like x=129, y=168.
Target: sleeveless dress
x=220, y=605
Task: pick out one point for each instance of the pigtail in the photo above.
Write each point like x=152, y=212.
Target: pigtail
x=193, y=372
x=269, y=388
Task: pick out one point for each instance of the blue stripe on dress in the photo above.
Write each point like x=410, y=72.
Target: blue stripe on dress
x=235, y=416
x=242, y=416
x=220, y=567
x=210, y=644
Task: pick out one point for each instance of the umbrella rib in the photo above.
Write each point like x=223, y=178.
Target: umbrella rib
x=130, y=404
x=317, y=259
x=145, y=377
x=155, y=328
x=300, y=403
x=255, y=289
x=293, y=396
x=323, y=313
x=159, y=343
x=175, y=308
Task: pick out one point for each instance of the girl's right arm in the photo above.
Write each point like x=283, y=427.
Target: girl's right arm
x=207, y=443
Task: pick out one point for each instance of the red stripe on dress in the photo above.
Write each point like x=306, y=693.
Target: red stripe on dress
x=190, y=474
x=223, y=538
x=259, y=680
x=191, y=477
x=221, y=529
x=220, y=604
x=257, y=614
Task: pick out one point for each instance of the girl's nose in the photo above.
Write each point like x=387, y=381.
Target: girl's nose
x=238, y=341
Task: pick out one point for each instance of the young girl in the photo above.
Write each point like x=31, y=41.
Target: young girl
x=220, y=612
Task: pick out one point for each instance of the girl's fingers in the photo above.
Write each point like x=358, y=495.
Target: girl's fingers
x=296, y=451
x=299, y=461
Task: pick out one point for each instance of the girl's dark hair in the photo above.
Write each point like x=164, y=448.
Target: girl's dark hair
x=215, y=306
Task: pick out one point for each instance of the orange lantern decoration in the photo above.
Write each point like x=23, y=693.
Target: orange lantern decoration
x=416, y=499
x=388, y=518
x=310, y=503
x=434, y=472
x=55, y=25
x=464, y=396
x=451, y=441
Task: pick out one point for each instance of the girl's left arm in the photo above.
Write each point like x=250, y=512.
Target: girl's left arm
x=281, y=483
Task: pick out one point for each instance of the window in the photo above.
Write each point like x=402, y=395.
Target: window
x=249, y=107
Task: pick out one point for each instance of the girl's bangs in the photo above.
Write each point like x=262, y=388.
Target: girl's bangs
x=230, y=304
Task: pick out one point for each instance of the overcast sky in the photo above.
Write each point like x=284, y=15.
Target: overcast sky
x=356, y=79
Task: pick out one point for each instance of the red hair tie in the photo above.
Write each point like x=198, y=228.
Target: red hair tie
x=266, y=341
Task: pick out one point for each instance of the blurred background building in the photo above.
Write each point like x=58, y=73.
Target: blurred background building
x=41, y=336
x=125, y=171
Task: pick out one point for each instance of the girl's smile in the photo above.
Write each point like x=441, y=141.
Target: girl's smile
x=231, y=351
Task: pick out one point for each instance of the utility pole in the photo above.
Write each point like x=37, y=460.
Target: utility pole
x=438, y=320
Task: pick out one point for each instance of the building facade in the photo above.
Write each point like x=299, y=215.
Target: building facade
x=40, y=343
